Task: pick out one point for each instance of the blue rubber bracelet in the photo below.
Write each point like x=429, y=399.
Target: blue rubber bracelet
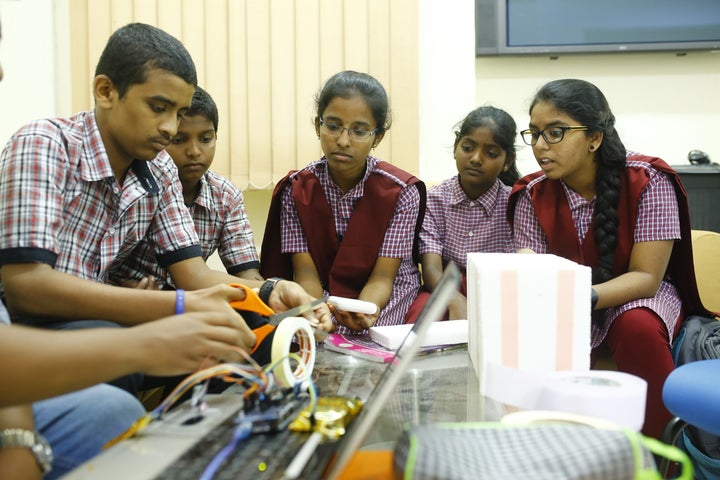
x=179, y=301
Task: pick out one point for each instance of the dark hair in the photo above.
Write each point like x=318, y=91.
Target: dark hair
x=136, y=48
x=585, y=103
x=503, y=130
x=349, y=84
x=203, y=105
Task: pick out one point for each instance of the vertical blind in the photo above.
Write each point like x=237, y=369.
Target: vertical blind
x=263, y=61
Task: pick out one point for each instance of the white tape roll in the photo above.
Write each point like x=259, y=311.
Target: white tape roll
x=615, y=396
x=299, y=329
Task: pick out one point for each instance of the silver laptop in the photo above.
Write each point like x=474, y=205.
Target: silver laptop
x=176, y=449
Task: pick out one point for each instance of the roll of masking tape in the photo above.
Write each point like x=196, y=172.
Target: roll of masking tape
x=297, y=328
x=610, y=395
x=533, y=417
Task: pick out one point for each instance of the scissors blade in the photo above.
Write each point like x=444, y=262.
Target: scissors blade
x=298, y=311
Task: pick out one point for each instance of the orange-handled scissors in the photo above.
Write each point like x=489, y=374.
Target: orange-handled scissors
x=253, y=303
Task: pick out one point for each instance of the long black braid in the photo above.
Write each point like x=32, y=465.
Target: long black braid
x=585, y=103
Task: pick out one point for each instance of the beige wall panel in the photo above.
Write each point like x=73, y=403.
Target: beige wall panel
x=332, y=38
x=121, y=13
x=146, y=11
x=307, y=46
x=356, y=35
x=169, y=17
x=404, y=84
x=259, y=97
x=82, y=67
x=98, y=27
x=217, y=72
x=237, y=126
x=193, y=34
x=283, y=87
x=379, y=62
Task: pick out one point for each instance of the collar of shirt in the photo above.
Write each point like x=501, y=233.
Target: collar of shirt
x=487, y=200
x=95, y=164
x=358, y=190
x=575, y=200
x=204, y=196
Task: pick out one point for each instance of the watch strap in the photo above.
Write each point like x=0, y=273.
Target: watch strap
x=267, y=287
x=22, y=438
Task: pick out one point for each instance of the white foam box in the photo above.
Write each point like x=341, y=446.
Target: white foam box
x=529, y=312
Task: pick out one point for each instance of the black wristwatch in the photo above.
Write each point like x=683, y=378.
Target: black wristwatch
x=267, y=288
x=21, y=438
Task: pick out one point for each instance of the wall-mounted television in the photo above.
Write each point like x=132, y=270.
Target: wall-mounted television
x=554, y=27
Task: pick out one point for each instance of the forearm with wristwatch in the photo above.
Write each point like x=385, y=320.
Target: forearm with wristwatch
x=267, y=287
x=18, y=438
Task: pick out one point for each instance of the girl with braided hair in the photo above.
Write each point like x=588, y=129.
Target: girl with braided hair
x=621, y=213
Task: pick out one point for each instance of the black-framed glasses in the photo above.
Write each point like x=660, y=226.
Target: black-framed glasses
x=551, y=135
x=356, y=134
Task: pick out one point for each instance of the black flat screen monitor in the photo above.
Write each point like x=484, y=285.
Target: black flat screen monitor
x=554, y=27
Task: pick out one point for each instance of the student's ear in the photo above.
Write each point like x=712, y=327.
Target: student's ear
x=377, y=139
x=317, y=126
x=104, y=91
x=596, y=139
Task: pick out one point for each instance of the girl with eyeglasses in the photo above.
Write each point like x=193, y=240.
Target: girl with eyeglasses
x=467, y=213
x=347, y=224
x=623, y=214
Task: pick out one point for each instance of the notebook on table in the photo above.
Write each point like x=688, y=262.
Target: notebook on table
x=266, y=455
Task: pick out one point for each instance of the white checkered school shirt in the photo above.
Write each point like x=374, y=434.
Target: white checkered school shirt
x=455, y=225
x=398, y=241
x=60, y=203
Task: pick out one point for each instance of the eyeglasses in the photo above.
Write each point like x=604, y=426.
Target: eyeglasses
x=356, y=135
x=550, y=134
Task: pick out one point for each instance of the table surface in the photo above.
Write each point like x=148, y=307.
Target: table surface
x=438, y=387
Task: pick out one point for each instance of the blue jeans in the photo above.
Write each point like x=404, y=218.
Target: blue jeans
x=78, y=424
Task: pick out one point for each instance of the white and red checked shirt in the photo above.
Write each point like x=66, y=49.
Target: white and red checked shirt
x=61, y=204
x=221, y=223
x=657, y=219
x=455, y=225
x=398, y=242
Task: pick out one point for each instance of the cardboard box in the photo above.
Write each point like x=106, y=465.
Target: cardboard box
x=527, y=312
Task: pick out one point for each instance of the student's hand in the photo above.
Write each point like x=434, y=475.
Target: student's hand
x=180, y=344
x=457, y=308
x=355, y=321
x=217, y=299
x=287, y=295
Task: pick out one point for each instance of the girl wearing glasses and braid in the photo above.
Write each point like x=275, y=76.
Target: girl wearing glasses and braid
x=348, y=224
x=621, y=213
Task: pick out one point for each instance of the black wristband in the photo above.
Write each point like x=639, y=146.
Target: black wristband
x=267, y=288
x=593, y=298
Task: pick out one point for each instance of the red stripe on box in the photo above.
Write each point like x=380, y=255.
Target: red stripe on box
x=564, y=332
x=509, y=330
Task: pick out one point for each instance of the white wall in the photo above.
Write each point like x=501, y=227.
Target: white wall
x=35, y=79
x=665, y=105
x=446, y=83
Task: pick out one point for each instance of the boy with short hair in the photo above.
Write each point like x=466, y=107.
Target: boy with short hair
x=216, y=205
x=78, y=195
